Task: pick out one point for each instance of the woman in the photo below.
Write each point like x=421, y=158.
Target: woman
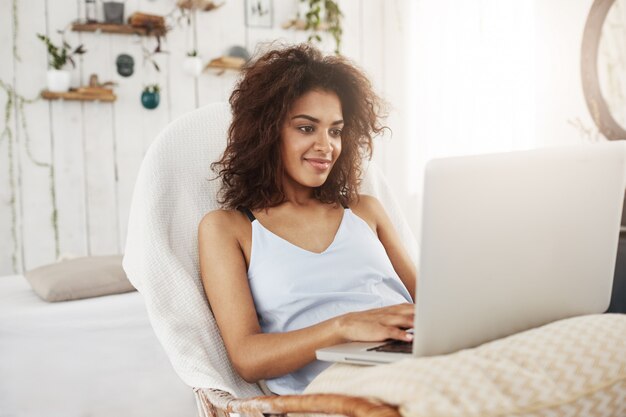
x=297, y=260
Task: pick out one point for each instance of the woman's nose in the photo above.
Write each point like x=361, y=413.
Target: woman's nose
x=322, y=142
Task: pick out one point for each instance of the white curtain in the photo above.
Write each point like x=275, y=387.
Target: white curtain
x=471, y=82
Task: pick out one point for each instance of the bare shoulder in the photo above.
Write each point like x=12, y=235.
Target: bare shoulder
x=369, y=209
x=225, y=223
x=368, y=205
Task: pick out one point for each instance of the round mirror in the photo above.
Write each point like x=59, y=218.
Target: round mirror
x=603, y=66
x=612, y=61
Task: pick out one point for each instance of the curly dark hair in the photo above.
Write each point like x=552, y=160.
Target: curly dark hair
x=251, y=168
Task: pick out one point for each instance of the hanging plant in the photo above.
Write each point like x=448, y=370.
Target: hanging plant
x=192, y=64
x=150, y=97
x=328, y=20
x=149, y=56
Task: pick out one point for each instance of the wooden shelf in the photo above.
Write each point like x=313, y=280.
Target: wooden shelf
x=202, y=5
x=224, y=63
x=118, y=29
x=104, y=95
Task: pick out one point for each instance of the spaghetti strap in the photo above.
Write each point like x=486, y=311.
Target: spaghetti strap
x=247, y=212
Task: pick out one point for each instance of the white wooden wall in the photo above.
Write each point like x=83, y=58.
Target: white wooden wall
x=92, y=151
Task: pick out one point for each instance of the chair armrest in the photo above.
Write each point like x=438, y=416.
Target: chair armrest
x=217, y=403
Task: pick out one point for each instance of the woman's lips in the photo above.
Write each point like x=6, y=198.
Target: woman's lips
x=319, y=164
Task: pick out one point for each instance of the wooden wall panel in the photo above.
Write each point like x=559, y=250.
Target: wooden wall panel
x=97, y=148
x=352, y=30
x=259, y=39
x=69, y=167
x=128, y=135
x=372, y=52
x=66, y=129
x=231, y=34
x=100, y=158
x=209, y=29
x=181, y=87
x=10, y=238
x=34, y=144
x=395, y=55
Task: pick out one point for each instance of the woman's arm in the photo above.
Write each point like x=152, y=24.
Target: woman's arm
x=370, y=209
x=256, y=355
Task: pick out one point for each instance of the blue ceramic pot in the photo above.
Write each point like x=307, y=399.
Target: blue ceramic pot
x=150, y=100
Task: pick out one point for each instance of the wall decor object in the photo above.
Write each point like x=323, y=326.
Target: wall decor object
x=113, y=12
x=598, y=29
x=259, y=13
x=150, y=97
x=239, y=51
x=91, y=15
x=125, y=65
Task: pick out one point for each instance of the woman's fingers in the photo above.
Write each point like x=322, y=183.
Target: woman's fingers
x=398, y=334
x=378, y=324
x=404, y=321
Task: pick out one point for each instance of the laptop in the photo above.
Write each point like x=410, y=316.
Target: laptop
x=509, y=242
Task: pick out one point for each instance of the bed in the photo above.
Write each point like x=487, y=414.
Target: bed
x=92, y=357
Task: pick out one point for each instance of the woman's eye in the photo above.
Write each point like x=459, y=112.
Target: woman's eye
x=335, y=132
x=306, y=129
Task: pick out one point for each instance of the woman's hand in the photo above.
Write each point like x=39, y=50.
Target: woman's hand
x=378, y=324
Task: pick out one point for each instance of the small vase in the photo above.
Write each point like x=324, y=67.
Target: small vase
x=58, y=80
x=192, y=65
x=150, y=100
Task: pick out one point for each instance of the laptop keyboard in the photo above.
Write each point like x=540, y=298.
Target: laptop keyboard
x=394, y=346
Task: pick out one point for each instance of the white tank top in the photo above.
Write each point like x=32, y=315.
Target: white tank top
x=294, y=288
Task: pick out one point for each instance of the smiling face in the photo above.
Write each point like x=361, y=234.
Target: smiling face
x=311, y=138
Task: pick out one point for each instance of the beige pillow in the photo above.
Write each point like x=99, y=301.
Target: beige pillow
x=78, y=278
x=573, y=367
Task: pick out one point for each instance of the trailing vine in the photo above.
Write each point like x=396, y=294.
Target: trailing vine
x=17, y=102
x=7, y=133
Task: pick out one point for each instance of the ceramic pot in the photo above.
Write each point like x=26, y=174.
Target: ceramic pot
x=150, y=100
x=192, y=65
x=113, y=12
x=58, y=80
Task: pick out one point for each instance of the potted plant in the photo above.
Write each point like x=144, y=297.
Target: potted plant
x=192, y=64
x=58, y=78
x=150, y=96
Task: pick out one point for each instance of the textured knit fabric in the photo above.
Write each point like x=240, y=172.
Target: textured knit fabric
x=172, y=193
x=570, y=368
x=294, y=288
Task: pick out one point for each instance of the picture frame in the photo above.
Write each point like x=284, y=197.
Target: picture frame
x=259, y=13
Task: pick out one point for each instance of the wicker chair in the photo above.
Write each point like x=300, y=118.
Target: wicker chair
x=172, y=193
